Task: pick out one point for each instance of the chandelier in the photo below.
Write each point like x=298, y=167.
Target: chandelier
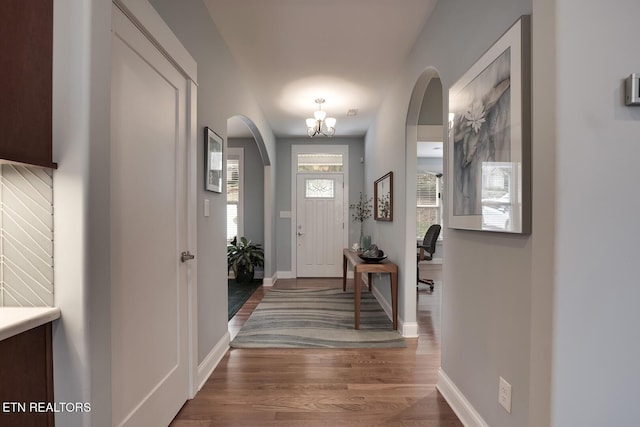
x=321, y=124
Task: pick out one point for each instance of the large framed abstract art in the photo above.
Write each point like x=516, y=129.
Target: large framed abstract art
x=489, y=139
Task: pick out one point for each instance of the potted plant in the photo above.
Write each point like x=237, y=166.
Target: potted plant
x=243, y=257
x=362, y=212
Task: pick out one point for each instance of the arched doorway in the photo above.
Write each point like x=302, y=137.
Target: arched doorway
x=247, y=172
x=424, y=171
x=245, y=183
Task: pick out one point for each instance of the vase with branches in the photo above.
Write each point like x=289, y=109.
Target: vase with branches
x=361, y=211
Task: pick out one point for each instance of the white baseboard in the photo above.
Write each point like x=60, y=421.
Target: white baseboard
x=285, y=275
x=270, y=281
x=408, y=329
x=435, y=261
x=211, y=361
x=386, y=306
x=460, y=405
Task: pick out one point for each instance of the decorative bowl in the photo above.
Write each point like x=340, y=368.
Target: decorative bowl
x=372, y=260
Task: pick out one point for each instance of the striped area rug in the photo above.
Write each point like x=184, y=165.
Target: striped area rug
x=316, y=318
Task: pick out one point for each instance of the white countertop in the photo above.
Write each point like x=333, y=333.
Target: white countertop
x=15, y=320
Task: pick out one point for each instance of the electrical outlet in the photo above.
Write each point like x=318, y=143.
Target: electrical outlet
x=504, y=394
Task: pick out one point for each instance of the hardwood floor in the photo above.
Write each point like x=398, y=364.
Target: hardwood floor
x=326, y=387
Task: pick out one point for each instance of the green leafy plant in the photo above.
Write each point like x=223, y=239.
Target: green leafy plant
x=242, y=257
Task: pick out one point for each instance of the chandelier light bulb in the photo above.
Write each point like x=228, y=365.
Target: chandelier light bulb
x=330, y=122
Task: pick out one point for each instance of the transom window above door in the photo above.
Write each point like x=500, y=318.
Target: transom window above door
x=320, y=162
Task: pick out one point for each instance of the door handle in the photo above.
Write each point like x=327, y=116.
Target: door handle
x=186, y=256
x=300, y=233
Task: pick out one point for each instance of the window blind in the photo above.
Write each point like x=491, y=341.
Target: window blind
x=233, y=197
x=427, y=202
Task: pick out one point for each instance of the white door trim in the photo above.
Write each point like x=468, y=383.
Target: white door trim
x=141, y=13
x=145, y=17
x=316, y=148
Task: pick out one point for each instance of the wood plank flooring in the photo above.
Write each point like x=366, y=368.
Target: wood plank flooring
x=326, y=387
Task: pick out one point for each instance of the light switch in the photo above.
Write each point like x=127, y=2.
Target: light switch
x=207, y=208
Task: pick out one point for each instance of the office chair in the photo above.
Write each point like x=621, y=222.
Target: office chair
x=427, y=249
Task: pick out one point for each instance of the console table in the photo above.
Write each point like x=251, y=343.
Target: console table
x=359, y=267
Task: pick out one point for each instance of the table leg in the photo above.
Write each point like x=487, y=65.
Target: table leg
x=344, y=273
x=369, y=280
x=357, y=277
x=394, y=299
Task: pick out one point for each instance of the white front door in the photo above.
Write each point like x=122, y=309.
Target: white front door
x=319, y=225
x=149, y=308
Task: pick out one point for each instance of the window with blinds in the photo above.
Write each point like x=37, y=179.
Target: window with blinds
x=427, y=202
x=234, y=219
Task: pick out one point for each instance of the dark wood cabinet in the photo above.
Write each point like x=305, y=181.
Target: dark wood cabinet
x=26, y=378
x=26, y=63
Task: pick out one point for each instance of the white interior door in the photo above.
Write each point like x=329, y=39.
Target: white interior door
x=319, y=225
x=149, y=332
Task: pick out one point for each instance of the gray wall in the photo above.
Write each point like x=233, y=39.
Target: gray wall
x=431, y=109
x=596, y=374
x=253, y=198
x=486, y=326
x=82, y=254
x=221, y=95
x=552, y=316
x=283, y=185
x=81, y=125
x=81, y=129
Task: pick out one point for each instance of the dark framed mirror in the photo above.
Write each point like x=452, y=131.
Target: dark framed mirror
x=383, y=198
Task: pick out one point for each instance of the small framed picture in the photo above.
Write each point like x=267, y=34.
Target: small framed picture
x=213, y=161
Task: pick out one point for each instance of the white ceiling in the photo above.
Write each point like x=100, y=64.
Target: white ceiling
x=430, y=149
x=294, y=51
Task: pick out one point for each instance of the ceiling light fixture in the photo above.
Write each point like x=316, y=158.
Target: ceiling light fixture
x=321, y=124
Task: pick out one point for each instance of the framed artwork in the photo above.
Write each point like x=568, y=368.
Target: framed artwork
x=383, y=198
x=489, y=139
x=213, y=161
